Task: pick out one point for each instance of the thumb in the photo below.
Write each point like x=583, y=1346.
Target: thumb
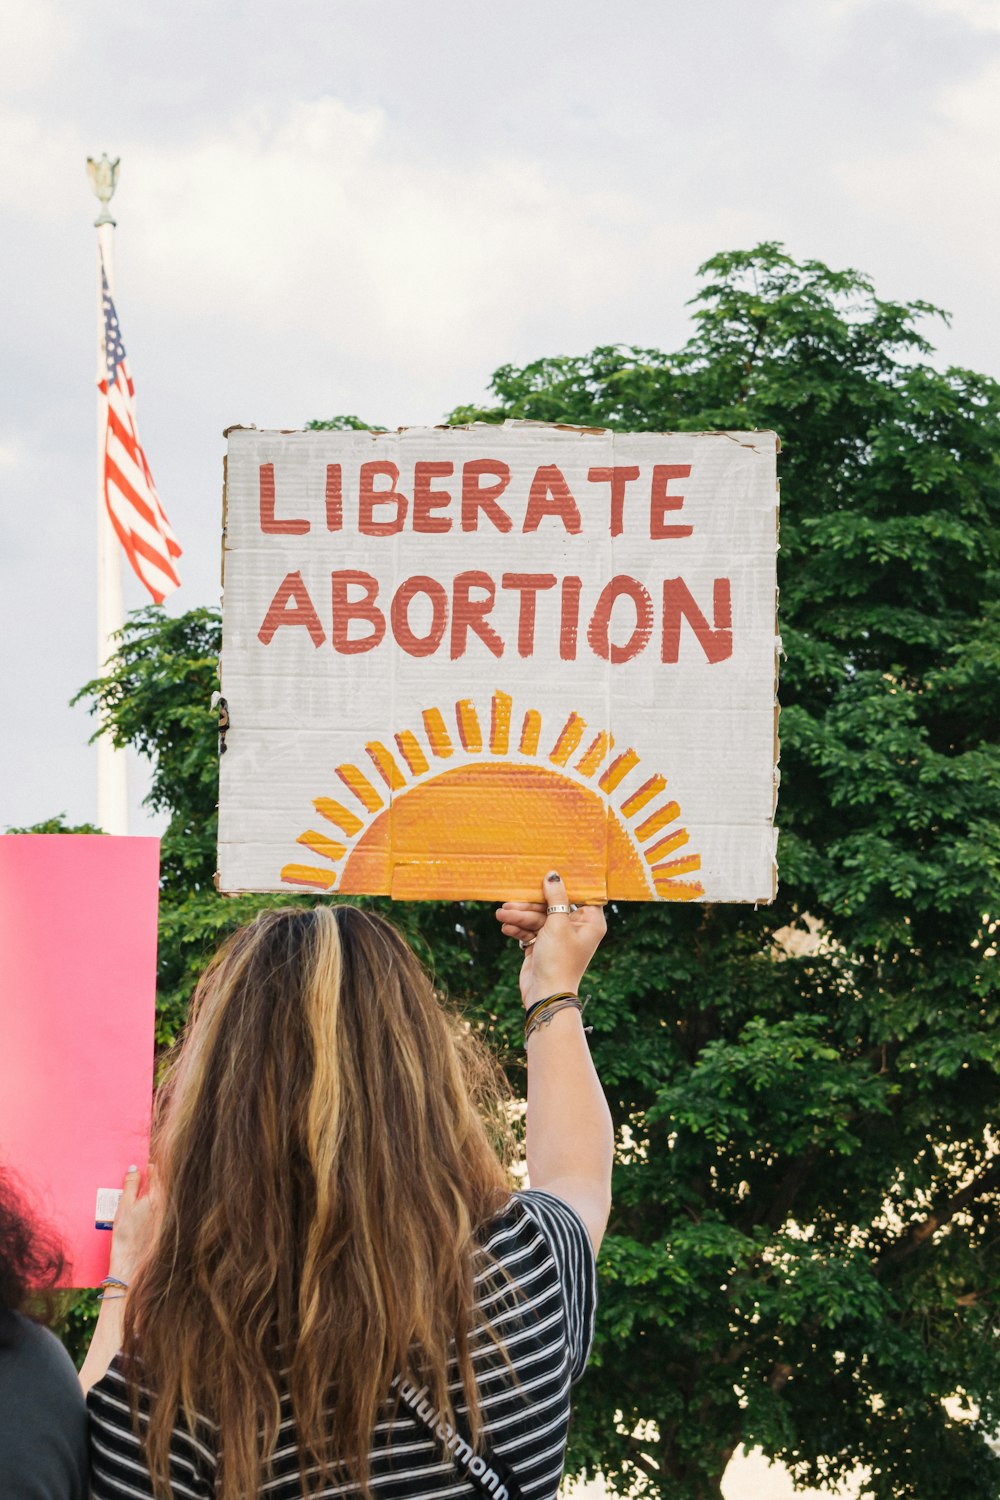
x=130, y=1185
x=554, y=895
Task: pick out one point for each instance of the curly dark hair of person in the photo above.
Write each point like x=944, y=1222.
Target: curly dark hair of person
x=31, y=1257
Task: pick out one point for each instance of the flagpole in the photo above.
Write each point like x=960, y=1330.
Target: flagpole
x=112, y=782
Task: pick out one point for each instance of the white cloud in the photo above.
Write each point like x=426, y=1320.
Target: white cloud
x=823, y=30
x=320, y=218
x=42, y=168
x=980, y=15
x=34, y=35
x=817, y=32
x=318, y=231
x=948, y=179
x=319, y=224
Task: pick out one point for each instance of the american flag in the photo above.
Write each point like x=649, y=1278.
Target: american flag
x=133, y=504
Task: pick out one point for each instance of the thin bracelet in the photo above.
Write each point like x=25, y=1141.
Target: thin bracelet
x=105, y=1292
x=534, y=1009
x=542, y=1012
x=542, y=1006
x=544, y=1019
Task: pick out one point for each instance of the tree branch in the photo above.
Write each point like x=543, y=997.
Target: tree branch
x=920, y=1233
x=642, y=1460
x=774, y=1213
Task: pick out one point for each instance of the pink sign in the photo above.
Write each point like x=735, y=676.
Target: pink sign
x=77, y=988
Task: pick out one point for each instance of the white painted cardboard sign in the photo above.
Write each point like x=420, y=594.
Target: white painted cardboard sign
x=455, y=657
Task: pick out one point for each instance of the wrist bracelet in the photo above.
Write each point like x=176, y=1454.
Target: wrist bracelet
x=542, y=1013
x=544, y=1007
x=534, y=1009
x=546, y=1016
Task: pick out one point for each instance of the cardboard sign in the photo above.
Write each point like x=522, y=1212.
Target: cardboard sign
x=453, y=658
x=77, y=992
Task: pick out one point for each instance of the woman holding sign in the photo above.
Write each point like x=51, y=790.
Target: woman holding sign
x=340, y=1288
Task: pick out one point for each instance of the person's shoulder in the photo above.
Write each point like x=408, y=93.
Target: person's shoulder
x=539, y=1224
x=558, y=1221
x=510, y=1234
x=43, y=1419
x=33, y=1347
x=39, y=1388
x=111, y=1398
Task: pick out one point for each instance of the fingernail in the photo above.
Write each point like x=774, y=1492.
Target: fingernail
x=554, y=875
x=132, y=1168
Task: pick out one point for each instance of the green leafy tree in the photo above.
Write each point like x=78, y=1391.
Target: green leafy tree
x=57, y=824
x=343, y=424
x=805, y=1246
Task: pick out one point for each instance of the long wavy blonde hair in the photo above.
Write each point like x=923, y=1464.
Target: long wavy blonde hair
x=326, y=1148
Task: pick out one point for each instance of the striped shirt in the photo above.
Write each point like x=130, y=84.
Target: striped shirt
x=543, y=1247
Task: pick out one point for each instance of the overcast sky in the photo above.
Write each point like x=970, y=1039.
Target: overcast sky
x=366, y=207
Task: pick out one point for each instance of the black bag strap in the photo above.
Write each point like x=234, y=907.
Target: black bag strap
x=484, y=1470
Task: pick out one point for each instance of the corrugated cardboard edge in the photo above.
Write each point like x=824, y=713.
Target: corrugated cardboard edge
x=509, y=422
x=463, y=895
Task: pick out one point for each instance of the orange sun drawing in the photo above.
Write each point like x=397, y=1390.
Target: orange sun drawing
x=487, y=828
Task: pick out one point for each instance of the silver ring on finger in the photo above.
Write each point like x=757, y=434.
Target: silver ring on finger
x=524, y=943
x=560, y=907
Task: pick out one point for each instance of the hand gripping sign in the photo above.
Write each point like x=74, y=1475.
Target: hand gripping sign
x=454, y=656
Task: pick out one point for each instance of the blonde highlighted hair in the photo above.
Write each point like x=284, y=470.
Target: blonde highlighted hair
x=326, y=1148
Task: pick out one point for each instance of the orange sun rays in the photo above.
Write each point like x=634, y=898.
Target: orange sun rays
x=416, y=823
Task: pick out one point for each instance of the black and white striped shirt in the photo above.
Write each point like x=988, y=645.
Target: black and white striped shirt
x=543, y=1246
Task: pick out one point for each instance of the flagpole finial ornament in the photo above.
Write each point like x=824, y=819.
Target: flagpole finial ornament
x=103, y=176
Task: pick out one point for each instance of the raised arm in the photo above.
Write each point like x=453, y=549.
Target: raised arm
x=570, y=1140
x=133, y=1226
